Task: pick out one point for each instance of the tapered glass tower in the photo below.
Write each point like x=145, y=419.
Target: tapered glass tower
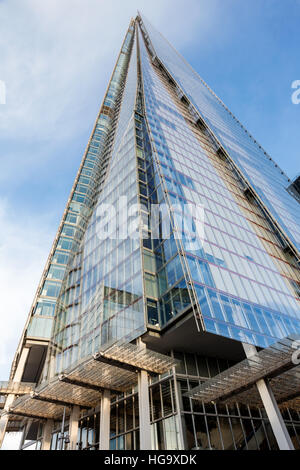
x=167, y=316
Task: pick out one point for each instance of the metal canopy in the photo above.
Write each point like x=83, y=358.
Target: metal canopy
x=85, y=384
x=67, y=394
x=15, y=423
x=114, y=369
x=16, y=388
x=286, y=389
x=138, y=358
x=238, y=382
x=48, y=401
x=95, y=373
x=28, y=407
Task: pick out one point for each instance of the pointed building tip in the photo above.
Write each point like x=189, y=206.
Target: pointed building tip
x=138, y=16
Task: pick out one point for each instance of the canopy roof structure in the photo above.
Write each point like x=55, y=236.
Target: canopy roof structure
x=16, y=388
x=276, y=363
x=114, y=369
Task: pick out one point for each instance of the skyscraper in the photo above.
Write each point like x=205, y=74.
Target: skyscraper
x=167, y=316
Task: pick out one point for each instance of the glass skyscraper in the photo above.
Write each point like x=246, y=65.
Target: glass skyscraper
x=167, y=316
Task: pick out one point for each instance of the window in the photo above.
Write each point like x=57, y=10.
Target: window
x=151, y=285
x=45, y=308
x=51, y=289
x=56, y=272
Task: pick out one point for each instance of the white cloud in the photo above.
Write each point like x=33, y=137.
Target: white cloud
x=56, y=59
x=24, y=247
x=54, y=51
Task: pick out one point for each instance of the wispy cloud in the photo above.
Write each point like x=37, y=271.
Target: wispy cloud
x=56, y=59
x=24, y=247
x=53, y=52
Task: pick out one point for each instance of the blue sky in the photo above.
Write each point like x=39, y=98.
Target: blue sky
x=56, y=57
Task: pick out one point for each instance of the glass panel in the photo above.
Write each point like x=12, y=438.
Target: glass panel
x=201, y=432
x=227, y=437
x=189, y=431
x=214, y=434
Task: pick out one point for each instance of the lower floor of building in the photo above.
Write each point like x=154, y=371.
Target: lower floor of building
x=177, y=421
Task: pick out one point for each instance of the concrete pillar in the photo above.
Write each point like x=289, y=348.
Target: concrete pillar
x=104, y=440
x=73, y=427
x=273, y=412
x=47, y=434
x=144, y=411
x=10, y=398
x=3, y=424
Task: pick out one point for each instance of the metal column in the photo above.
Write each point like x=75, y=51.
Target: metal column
x=104, y=440
x=47, y=434
x=73, y=427
x=179, y=418
x=273, y=412
x=144, y=406
x=144, y=411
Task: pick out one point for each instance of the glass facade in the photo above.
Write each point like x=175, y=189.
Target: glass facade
x=79, y=207
x=264, y=174
x=102, y=297
x=238, y=280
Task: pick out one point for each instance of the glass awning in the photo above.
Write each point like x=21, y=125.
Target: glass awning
x=29, y=407
x=101, y=375
x=286, y=389
x=139, y=358
x=237, y=384
x=113, y=369
x=15, y=388
x=48, y=401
